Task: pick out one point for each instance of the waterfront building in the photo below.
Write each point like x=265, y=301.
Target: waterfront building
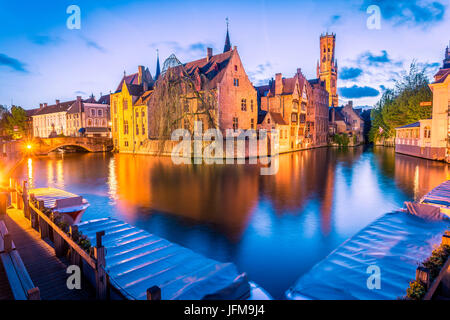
x=347, y=120
x=51, y=120
x=289, y=99
x=89, y=118
x=429, y=138
x=29, y=132
x=318, y=113
x=129, y=121
x=327, y=67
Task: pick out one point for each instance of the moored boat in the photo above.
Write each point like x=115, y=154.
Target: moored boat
x=72, y=206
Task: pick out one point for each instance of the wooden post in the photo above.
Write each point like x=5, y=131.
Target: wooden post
x=7, y=242
x=60, y=245
x=26, y=205
x=100, y=274
x=43, y=229
x=423, y=276
x=154, y=293
x=34, y=294
x=75, y=258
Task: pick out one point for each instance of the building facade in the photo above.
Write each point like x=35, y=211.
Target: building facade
x=89, y=118
x=347, y=120
x=318, y=113
x=129, y=111
x=51, y=120
x=327, y=68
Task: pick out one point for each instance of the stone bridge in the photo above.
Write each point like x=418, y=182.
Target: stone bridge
x=44, y=146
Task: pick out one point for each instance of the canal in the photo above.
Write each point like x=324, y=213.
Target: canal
x=275, y=228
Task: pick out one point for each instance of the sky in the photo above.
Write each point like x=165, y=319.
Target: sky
x=42, y=60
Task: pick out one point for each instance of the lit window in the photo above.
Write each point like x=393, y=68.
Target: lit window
x=235, y=123
x=244, y=105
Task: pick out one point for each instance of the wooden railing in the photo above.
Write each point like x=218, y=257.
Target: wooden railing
x=66, y=243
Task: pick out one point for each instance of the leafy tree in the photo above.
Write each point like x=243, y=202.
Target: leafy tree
x=401, y=105
x=15, y=123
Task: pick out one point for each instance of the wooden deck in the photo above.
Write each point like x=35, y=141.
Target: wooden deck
x=46, y=270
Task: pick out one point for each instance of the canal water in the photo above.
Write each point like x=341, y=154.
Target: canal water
x=275, y=228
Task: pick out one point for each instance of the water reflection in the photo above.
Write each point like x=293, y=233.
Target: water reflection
x=275, y=228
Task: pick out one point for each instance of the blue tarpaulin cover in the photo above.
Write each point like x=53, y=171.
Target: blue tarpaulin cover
x=137, y=260
x=396, y=243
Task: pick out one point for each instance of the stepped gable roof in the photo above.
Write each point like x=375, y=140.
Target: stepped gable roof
x=212, y=70
x=61, y=107
x=133, y=79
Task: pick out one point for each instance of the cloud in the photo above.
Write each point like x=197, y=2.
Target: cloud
x=94, y=45
x=12, y=63
x=333, y=20
x=349, y=73
x=44, y=40
x=356, y=92
x=259, y=75
x=409, y=12
x=373, y=59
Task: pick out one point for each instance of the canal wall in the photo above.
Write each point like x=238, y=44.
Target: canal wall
x=10, y=156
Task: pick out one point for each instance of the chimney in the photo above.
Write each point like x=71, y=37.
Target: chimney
x=45, y=105
x=57, y=102
x=209, y=53
x=78, y=98
x=299, y=70
x=41, y=106
x=141, y=75
x=278, y=83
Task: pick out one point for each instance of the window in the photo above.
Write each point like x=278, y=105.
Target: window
x=252, y=123
x=125, y=127
x=186, y=105
x=125, y=104
x=137, y=114
x=236, y=82
x=251, y=105
x=143, y=112
x=143, y=129
x=100, y=112
x=93, y=112
x=268, y=120
x=89, y=122
x=427, y=132
x=235, y=68
x=294, y=118
x=243, y=105
x=126, y=143
x=235, y=123
x=137, y=129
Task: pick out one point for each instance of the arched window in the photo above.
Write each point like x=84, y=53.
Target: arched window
x=89, y=122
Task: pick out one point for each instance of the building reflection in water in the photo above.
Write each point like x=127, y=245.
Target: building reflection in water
x=280, y=224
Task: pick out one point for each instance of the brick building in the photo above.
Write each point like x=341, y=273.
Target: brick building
x=327, y=67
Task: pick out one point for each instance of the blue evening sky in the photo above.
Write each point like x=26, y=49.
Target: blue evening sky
x=42, y=60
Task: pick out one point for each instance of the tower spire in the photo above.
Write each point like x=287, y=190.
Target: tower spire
x=158, y=69
x=227, y=46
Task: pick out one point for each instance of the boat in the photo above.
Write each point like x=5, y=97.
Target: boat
x=137, y=260
x=439, y=197
x=72, y=206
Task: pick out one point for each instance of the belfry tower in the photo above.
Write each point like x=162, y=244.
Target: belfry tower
x=327, y=67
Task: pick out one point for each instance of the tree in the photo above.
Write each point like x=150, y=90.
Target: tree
x=401, y=105
x=179, y=99
x=15, y=124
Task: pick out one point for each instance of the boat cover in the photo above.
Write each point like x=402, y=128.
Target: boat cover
x=51, y=196
x=396, y=243
x=137, y=260
x=439, y=195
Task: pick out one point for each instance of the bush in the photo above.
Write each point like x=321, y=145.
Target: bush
x=416, y=290
x=341, y=139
